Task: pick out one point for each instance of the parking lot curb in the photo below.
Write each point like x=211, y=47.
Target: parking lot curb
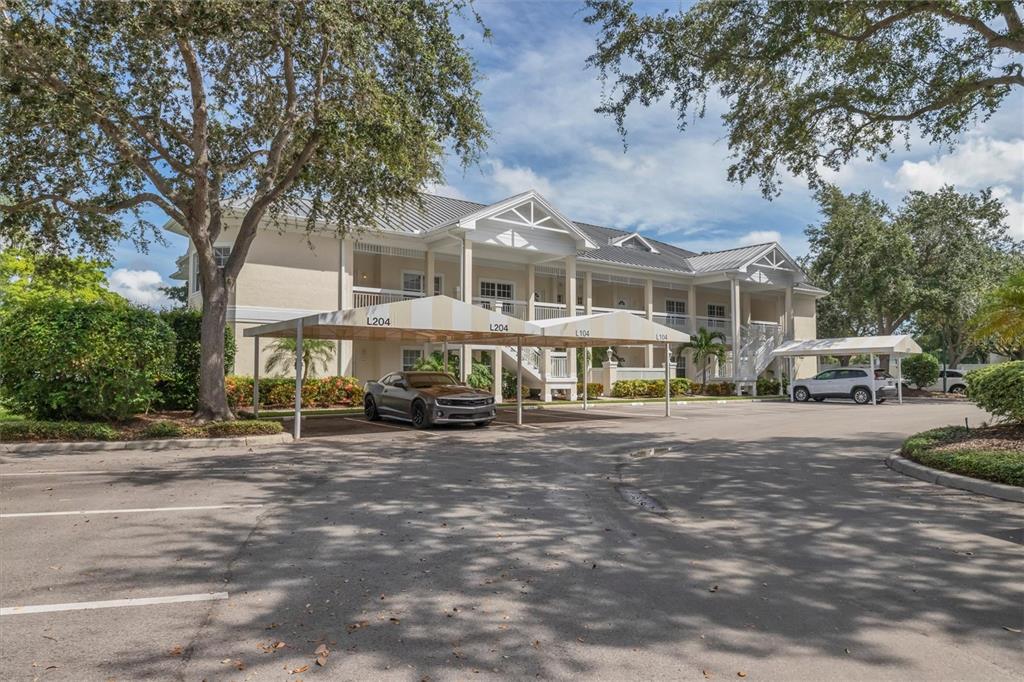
x=47, y=447
x=998, y=490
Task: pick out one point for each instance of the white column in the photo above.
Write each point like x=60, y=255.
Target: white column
x=588, y=309
x=691, y=318
x=899, y=379
x=256, y=377
x=428, y=288
x=496, y=372
x=346, y=300
x=734, y=304
x=531, y=291
x=649, y=312
x=871, y=373
x=465, y=361
x=297, y=428
x=519, y=381
x=570, y=303
x=789, y=331
x=668, y=385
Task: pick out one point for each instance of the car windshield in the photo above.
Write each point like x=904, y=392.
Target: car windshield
x=882, y=374
x=428, y=379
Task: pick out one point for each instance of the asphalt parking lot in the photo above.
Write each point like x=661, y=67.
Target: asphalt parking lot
x=767, y=539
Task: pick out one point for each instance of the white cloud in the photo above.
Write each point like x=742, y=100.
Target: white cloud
x=978, y=162
x=443, y=190
x=1014, y=208
x=760, y=237
x=139, y=286
x=515, y=179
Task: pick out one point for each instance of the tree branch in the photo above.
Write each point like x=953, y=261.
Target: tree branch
x=954, y=95
x=199, y=142
x=993, y=37
x=98, y=209
x=874, y=28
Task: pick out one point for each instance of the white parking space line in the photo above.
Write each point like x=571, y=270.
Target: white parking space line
x=392, y=426
x=111, y=604
x=83, y=512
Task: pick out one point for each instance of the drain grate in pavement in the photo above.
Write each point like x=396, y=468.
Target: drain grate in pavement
x=639, y=498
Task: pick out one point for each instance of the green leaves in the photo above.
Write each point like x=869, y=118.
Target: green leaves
x=921, y=369
x=811, y=85
x=999, y=389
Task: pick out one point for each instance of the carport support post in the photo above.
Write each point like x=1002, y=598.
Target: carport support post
x=297, y=429
x=871, y=370
x=256, y=378
x=668, y=388
x=586, y=374
x=899, y=378
x=790, y=363
x=519, y=381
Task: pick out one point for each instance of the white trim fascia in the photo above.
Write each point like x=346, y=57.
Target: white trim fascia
x=264, y=315
x=619, y=241
x=622, y=266
x=796, y=269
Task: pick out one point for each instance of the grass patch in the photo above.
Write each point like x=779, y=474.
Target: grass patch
x=38, y=430
x=994, y=453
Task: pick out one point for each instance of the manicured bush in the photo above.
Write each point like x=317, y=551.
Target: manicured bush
x=770, y=385
x=32, y=429
x=163, y=429
x=73, y=360
x=508, y=385
x=650, y=388
x=921, y=369
x=1001, y=466
x=244, y=427
x=594, y=389
x=999, y=389
x=718, y=388
x=179, y=386
x=280, y=392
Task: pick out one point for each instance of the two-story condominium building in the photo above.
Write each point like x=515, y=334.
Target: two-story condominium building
x=522, y=256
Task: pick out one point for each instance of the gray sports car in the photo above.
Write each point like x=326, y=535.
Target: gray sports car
x=427, y=398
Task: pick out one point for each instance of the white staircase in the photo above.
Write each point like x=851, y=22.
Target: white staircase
x=757, y=341
x=532, y=361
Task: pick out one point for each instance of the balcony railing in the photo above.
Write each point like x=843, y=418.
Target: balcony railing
x=548, y=311
x=679, y=322
x=504, y=306
x=559, y=366
x=370, y=296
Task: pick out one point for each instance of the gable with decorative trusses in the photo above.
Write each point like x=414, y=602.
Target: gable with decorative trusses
x=633, y=241
x=773, y=266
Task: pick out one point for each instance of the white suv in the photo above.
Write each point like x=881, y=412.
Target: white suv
x=955, y=382
x=845, y=382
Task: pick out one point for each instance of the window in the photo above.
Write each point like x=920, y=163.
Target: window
x=825, y=376
x=438, y=285
x=220, y=255
x=410, y=356
x=675, y=307
x=501, y=290
x=716, y=310
x=850, y=374
x=412, y=281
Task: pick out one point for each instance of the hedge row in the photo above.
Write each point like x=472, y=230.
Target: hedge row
x=278, y=392
x=650, y=388
x=1001, y=466
x=594, y=389
x=999, y=389
x=719, y=388
x=38, y=430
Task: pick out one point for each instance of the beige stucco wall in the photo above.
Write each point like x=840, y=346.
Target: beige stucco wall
x=286, y=271
x=805, y=327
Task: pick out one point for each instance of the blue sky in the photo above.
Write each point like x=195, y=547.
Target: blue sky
x=539, y=100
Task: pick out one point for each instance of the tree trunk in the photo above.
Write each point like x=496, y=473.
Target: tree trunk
x=213, y=399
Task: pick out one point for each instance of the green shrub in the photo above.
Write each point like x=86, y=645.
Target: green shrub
x=71, y=360
x=650, y=388
x=1001, y=466
x=718, y=388
x=594, y=389
x=280, y=392
x=248, y=427
x=999, y=389
x=179, y=386
x=770, y=385
x=163, y=429
x=921, y=369
x=32, y=429
x=508, y=385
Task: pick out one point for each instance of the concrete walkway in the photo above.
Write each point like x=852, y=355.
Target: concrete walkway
x=781, y=547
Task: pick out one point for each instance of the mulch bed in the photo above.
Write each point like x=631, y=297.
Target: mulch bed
x=1001, y=438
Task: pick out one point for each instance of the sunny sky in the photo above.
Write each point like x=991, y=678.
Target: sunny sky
x=539, y=100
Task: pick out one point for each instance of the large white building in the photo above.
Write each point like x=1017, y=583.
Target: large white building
x=523, y=256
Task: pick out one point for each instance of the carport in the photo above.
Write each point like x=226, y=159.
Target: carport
x=443, y=319
x=896, y=347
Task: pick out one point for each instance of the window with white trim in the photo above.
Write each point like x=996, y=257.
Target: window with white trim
x=412, y=281
x=438, y=285
x=410, y=356
x=675, y=307
x=716, y=310
x=502, y=290
x=220, y=256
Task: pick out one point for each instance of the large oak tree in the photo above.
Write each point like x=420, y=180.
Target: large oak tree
x=811, y=84
x=200, y=107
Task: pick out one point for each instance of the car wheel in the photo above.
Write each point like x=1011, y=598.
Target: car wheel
x=419, y=415
x=801, y=394
x=370, y=409
x=959, y=389
x=861, y=396
x=819, y=400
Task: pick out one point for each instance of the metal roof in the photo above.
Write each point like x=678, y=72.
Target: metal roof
x=669, y=258
x=730, y=259
x=901, y=344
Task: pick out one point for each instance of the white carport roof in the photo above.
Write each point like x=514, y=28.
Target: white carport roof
x=417, y=320
x=855, y=345
x=616, y=328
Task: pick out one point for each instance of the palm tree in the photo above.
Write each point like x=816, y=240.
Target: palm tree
x=315, y=352
x=1001, y=316
x=706, y=345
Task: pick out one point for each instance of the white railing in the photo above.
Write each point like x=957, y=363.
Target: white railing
x=680, y=322
x=548, y=311
x=559, y=366
x=504, y=306
x=370, y=296
x=642, y=372
x=531, y=358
